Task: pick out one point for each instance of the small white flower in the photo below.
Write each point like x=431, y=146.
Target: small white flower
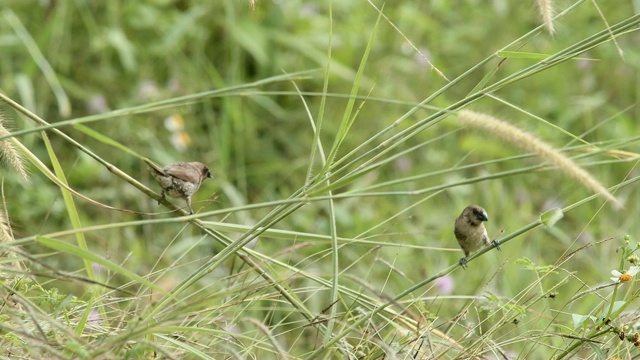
x=616, y=275
x=619, y=277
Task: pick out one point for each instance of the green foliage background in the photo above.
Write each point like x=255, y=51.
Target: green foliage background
x=248, y=83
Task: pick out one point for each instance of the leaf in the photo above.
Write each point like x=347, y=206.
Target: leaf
x=579, y=320
x=618, y=305
x=598, y=351
x=530, y=265
x=525, y=262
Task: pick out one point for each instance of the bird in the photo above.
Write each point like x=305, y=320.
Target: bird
x=471, y=233
x=179, y=180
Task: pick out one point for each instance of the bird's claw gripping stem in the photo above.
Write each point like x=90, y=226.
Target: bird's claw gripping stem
x=496, y=245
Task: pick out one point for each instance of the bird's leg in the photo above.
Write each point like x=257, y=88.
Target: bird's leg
x=161, y=197
x=496, y=245
x=463, y=262
x=189, y=205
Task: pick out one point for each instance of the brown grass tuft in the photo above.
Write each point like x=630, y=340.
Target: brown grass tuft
x=528, y=142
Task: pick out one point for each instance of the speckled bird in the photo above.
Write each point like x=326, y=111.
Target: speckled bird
x=470, y=231
x=179, y=180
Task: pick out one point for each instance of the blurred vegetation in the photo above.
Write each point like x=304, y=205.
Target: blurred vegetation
x=238, y=89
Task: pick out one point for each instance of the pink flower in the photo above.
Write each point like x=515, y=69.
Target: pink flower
x=445, y=284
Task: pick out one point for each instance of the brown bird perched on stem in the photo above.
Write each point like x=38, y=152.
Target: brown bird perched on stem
x=179, y=180
x=470, y=231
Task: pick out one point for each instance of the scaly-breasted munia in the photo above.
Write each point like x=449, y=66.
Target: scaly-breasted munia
x=179, y=180
x=470, y=231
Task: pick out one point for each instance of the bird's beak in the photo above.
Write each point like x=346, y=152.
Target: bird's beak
x=483, y=216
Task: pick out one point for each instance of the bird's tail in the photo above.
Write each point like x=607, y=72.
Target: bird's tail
x=154, y=167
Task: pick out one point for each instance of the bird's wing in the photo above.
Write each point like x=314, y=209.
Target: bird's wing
x=153, y=167
x=460, y=236
x=182, y=171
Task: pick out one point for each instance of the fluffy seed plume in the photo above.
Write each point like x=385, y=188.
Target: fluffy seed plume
x=5, y=231
x=546, y=11
x=528, y=142
x=8, y=152
x=6, y=236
